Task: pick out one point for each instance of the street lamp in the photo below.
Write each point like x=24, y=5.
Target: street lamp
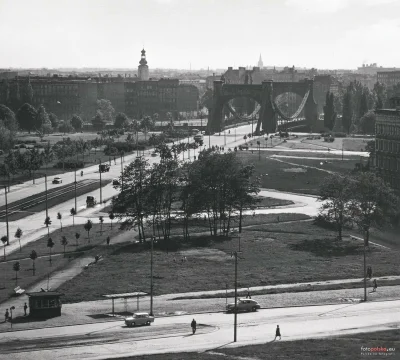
x=45, y=187
x=8, y=232
x=101, y=194
x=151, y=277
x=11, y=319
x=235, y=254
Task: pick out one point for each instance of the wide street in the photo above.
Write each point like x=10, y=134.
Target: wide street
x=33, y=225
x=173, y=334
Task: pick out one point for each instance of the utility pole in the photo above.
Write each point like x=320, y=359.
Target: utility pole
x=101, y=194
x=151, y=277
x=8, y=231
x=235, y=311
x=122, y=173
x=76, y=209
x=224, y=137
x=45, y=187
x=365, y=271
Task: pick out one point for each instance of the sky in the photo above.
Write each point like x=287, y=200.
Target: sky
x=184, y=34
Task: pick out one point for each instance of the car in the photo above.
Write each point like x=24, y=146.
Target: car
x=139, y=319
x=153, y=154
x=57, y=180
x=115, y=182
x=243, y=305
x=104, y=168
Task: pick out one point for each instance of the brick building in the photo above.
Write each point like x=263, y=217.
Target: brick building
x=187, y=98
x=387, y=144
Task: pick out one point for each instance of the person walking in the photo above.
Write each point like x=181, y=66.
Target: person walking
x=277, y=333
x=375, y=286
x=25, y=308
x=6, y=315
x=193, y=325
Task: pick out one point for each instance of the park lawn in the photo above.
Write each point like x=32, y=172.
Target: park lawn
x=97, y=237
x=271, y=254
x=346, y=347
x=280, y=175
x=349, y=144
x=42, y=265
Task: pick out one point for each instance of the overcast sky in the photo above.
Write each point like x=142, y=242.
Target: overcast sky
x=214, y=33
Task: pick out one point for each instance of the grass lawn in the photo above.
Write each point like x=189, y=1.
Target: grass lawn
x=271, y=254
x=283, y=176
x=347, y=347
x=25, y=277
x=349, y=144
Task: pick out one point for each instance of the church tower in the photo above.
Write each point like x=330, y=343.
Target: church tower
x=143, y=69
x=260, y=63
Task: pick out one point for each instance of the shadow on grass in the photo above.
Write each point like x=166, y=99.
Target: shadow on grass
x=327, y=247
x=27, y=319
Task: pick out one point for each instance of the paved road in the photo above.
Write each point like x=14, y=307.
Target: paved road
x=172, y=334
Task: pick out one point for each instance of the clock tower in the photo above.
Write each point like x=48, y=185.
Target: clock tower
x=143, y=69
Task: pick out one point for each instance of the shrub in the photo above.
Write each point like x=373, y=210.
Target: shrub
x=340, y=134
x=124, y=146
x=325, y=224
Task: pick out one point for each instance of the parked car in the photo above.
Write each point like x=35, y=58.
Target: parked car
x=139, y=319
x=243, y=305
x=153, y=154
x=90, y=201
x=57, y=180
x=115, y=182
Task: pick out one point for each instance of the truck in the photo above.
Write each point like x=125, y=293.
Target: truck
x=104, y=168
x=90, y=201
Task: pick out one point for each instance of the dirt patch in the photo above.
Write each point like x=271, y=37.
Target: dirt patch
x=295, y=170
x=206, y=254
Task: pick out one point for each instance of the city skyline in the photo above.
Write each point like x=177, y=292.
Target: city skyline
x=198, y=34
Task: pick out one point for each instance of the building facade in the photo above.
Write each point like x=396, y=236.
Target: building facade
x=387, y=144
x=389, y=78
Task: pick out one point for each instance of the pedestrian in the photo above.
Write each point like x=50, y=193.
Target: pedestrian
x=369, y=272
x=375, y=286
x=6, y=315
x=248, y=296
x=254, y=213
x=115, y=161
x=25, y=308
x=277, y=333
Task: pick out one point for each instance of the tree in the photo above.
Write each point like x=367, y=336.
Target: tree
x=107, y=110
x=77, y=236
x=47, y=222
x=98, y=121
x=329, y=111
x=8, y=118
x=379, y=103
x=50, y=245
x=18, y=235
x=16, y=268
x=73, y=213
x=347, y=112
x=367, y=123
x=64, y=242
x=335, y=193
x=7, y=137
x=33, y=256
x=47, y=154
x=54, y=120
x=363, y=104
x=111, y=216
x=43, y=122
x=370, y=147
x=65, y=126
x=147, y=124
x=76, y=122
x=373, y=203
x=26, y=116
x=4, y=240
x=101, y=219
x=88, y=226
x=121, y=121
x=59, y=217
x=30, y=161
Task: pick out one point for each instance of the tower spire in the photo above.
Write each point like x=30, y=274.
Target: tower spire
x=260, y=62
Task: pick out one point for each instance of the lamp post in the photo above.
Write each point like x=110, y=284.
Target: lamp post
x=76, y=209
x=365, y=270
x=235, y=309
x=122, y=172
x=101, y=194
x=8, y=231
x=11, y=318
x=151, y=277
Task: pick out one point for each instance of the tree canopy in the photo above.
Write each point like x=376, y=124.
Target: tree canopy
x=26, y=117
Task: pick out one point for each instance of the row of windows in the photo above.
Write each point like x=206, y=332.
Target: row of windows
x=386, y=129
x=46, y=303
x=388, y=163
x=387, y=145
